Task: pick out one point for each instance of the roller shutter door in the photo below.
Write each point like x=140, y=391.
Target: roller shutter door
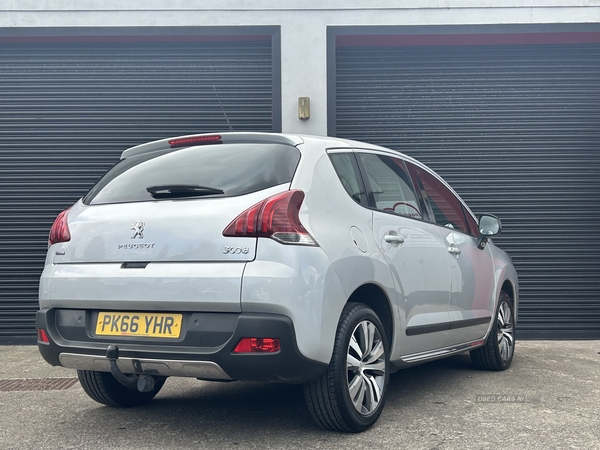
x=68, y=109
x=515, y=129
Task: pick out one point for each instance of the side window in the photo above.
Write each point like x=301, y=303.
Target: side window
x=347, y=171
x=473, y=225
x=390, y=184
x=446, y=209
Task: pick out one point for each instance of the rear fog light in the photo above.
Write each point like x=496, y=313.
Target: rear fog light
x=43, y=337
x=258, y=345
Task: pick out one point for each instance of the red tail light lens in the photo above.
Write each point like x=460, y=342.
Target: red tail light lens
x=43, y=337
x=60, y=229
x=275, y=217
x=257, y=345
x=194, y=140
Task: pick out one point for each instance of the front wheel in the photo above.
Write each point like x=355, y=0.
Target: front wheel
x=498, y=351
x=104, y=388
x=351, y=394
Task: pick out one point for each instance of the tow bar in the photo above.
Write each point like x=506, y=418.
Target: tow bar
x=140, y=382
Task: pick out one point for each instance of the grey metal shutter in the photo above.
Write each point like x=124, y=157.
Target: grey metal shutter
x=515, y=129
x=67, y=111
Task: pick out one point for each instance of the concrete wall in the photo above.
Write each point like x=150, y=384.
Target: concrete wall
x=303, y=27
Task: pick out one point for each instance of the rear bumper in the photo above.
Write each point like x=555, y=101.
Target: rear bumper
x=205, y=370
x=205, y=354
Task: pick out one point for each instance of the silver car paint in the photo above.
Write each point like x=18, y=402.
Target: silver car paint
x=359, y=268
x=421, y=277
x=298, y=282
x=87, y=272
x=308, y=284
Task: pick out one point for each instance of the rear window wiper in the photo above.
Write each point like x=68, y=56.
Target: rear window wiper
x=181, y=190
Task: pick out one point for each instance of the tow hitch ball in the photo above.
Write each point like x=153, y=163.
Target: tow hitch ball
x=140, y=382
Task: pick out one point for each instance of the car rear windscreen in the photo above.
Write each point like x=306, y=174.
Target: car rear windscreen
x=223, y=170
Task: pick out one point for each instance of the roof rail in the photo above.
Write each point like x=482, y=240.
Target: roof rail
x=226, y=138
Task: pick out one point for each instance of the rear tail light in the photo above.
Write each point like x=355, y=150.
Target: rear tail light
x=60, y=230
x=275, y=217
x=43, y=336
x=257, y=345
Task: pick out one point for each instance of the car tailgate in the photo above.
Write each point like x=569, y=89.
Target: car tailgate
x=210, y=286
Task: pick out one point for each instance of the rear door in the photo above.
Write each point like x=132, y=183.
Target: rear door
x=414, y=250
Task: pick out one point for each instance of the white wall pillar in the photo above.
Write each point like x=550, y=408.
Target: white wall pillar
x=304, y=74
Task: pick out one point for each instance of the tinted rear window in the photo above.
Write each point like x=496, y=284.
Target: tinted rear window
x=236, y=169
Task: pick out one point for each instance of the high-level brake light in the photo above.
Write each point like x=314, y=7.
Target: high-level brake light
x=275, y=217
x=194, y=140
x=60, y=229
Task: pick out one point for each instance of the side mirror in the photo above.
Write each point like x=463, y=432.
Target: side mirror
x=489, y=226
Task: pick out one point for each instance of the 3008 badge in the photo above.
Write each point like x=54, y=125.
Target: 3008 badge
x=235, y=250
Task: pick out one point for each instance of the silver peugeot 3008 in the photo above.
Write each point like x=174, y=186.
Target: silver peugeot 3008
x=276, y=258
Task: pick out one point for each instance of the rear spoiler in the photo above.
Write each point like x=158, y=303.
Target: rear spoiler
x=212, y=138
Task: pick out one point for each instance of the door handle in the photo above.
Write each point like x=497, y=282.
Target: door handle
x=393, y=239
x=454, y=250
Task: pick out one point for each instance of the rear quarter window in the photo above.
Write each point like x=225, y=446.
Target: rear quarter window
x=348, y=173
x=235, y=169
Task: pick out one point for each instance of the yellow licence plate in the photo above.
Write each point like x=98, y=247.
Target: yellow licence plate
x=138, y=324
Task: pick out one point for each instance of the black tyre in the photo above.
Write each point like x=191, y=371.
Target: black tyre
x=498, y=351
x=351, y=394
x=104, y=388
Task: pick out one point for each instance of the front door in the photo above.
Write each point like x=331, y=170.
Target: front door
x=472, y=287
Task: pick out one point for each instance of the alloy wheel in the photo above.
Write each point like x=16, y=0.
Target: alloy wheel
x=506, y=331
x=365, y=363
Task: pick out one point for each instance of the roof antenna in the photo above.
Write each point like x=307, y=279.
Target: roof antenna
x=223, y=109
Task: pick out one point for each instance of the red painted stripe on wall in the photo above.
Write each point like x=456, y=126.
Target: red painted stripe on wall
x=398, y=40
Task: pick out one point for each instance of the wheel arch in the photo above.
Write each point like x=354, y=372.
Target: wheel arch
x=511, y=290
x=375, y=298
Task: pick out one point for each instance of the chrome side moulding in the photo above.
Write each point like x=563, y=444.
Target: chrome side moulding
x=205, y=370
x=438, y=353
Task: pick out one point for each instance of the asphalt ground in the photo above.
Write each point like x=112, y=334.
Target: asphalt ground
x=548, y=399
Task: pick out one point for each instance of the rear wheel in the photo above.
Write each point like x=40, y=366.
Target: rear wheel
x=351, y=394
x=498, y=351
x=104, y=388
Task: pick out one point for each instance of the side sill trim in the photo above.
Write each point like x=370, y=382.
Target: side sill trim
x=417, y=357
